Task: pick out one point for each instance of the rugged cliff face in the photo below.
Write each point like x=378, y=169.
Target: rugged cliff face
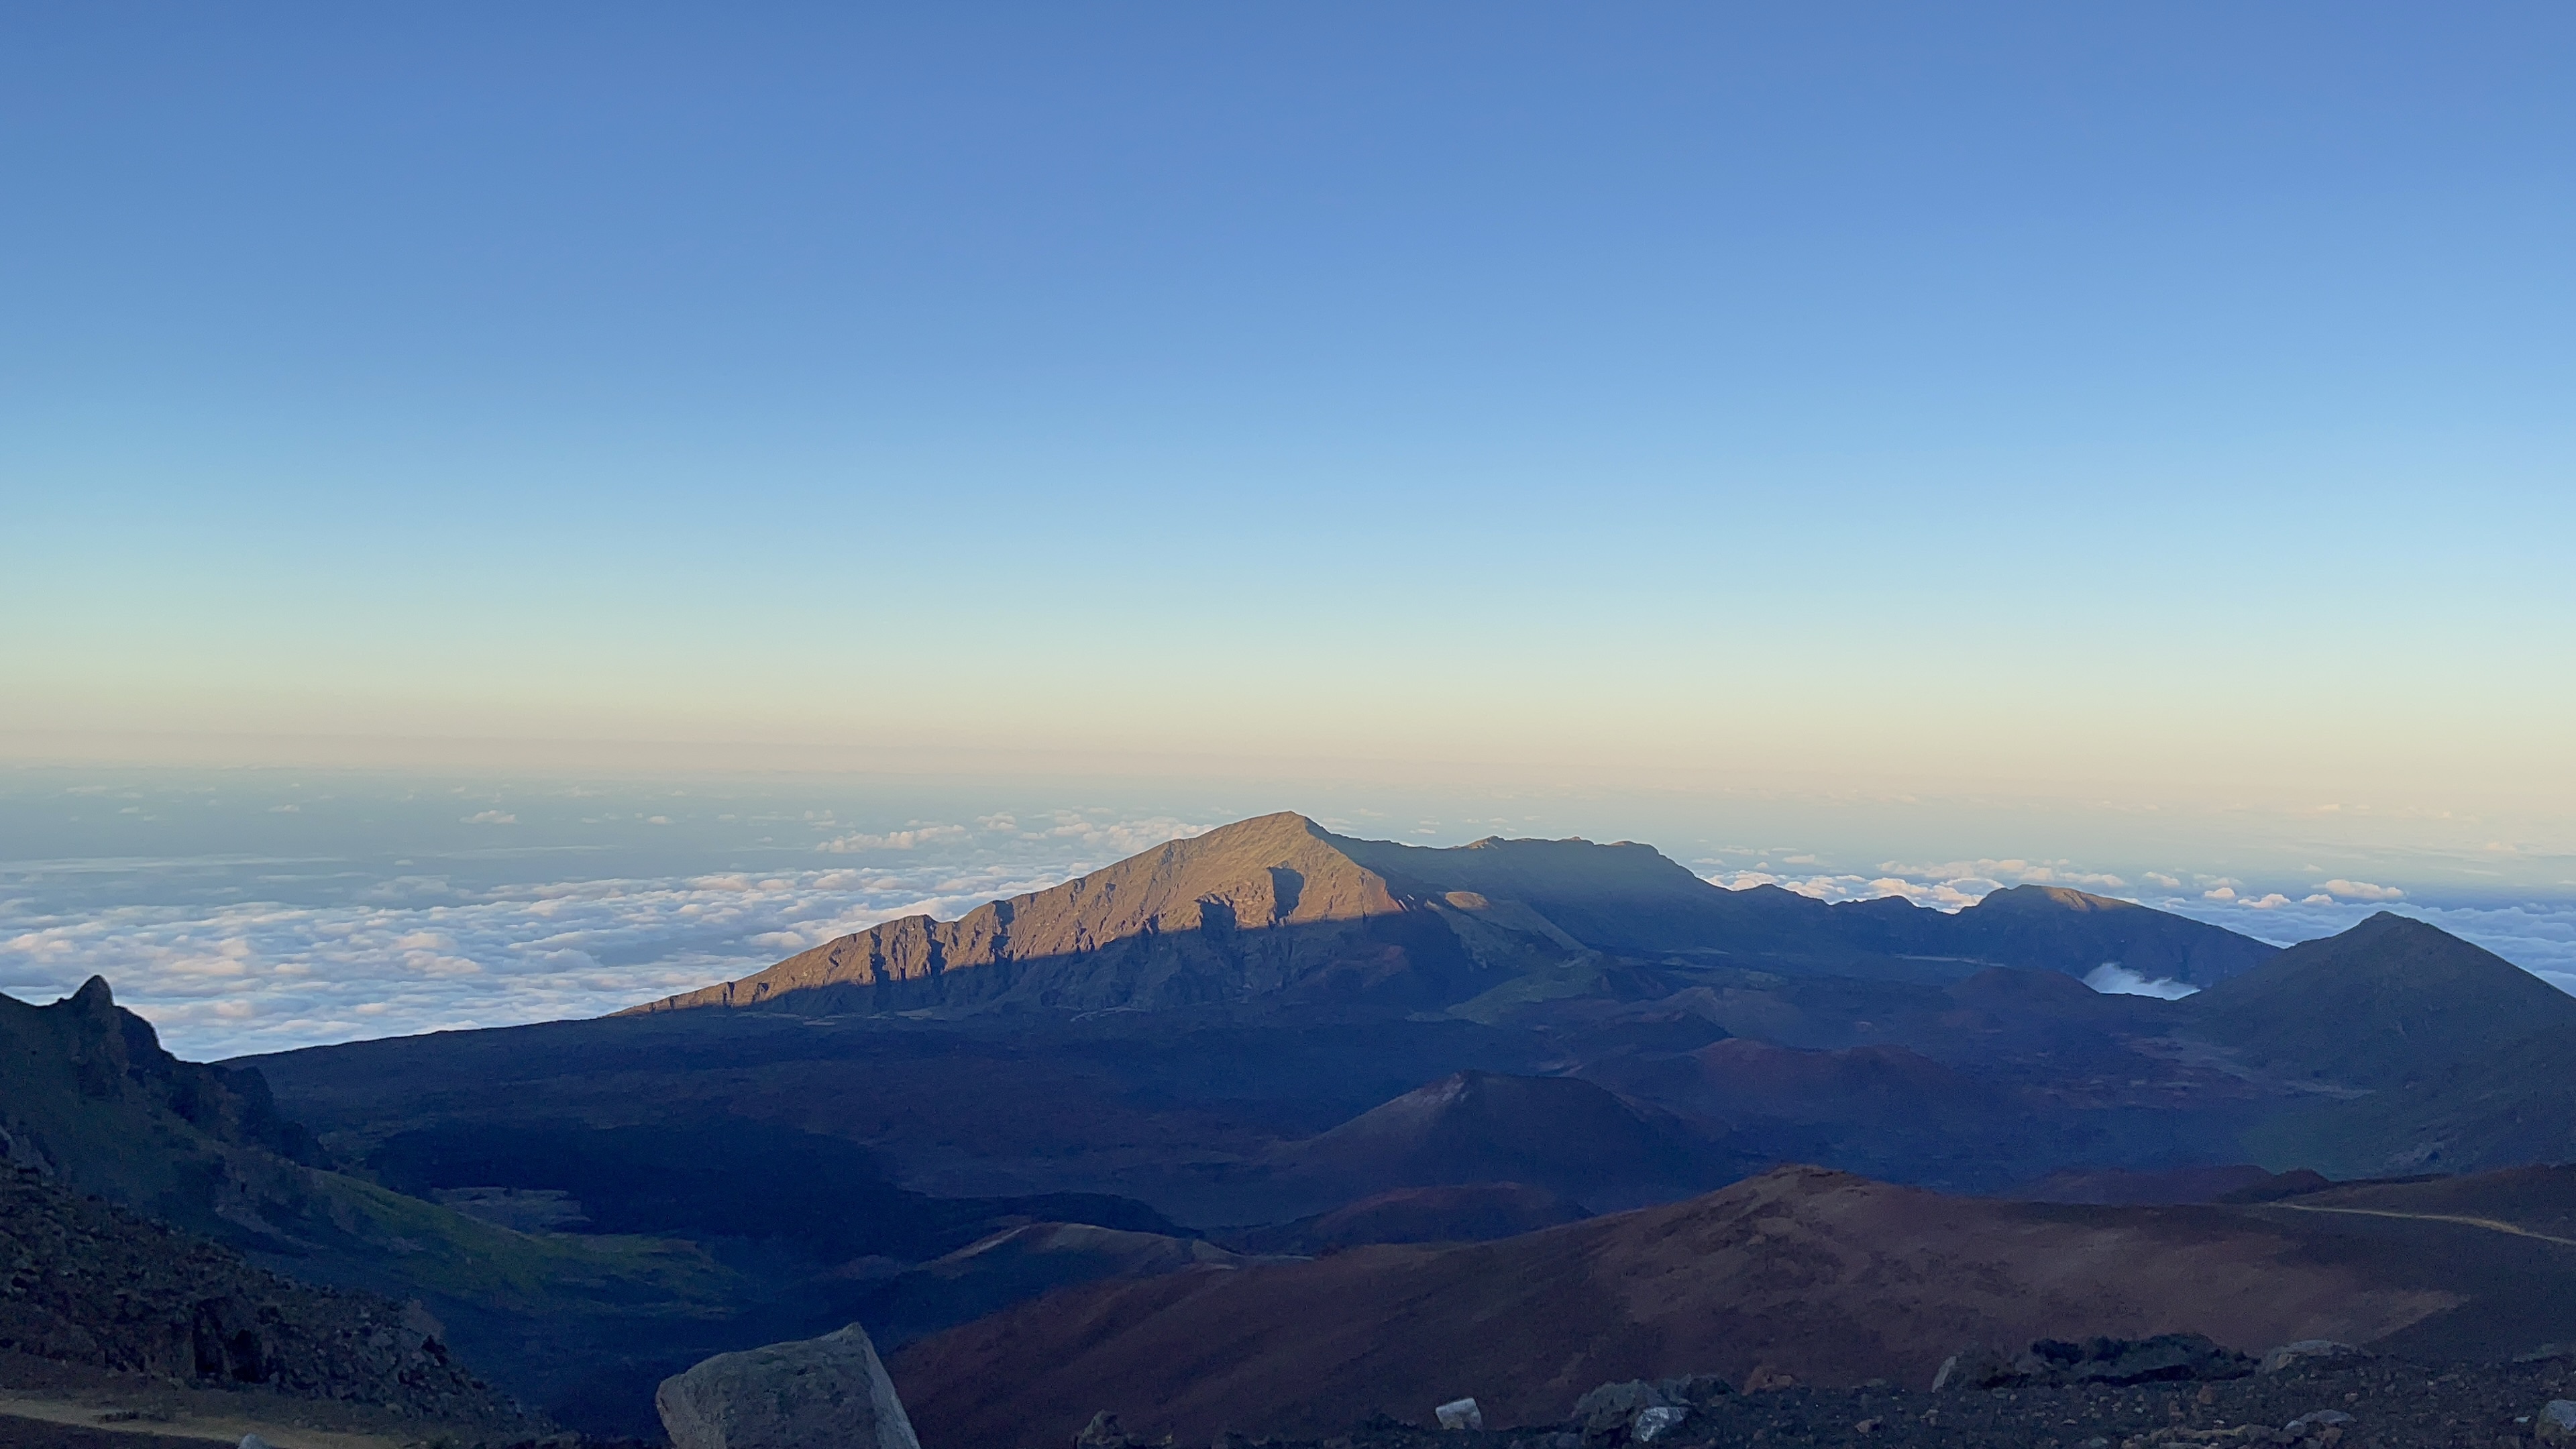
x=88, y=1095
x=97, y=1287
x=1274, y=906
x=1280, y=908
x=93, y=1105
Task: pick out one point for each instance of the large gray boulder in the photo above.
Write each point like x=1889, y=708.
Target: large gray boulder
x=816, y=1393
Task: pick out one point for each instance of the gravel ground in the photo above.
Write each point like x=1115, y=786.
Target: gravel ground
x=2392, y=1404
x=36, y=1434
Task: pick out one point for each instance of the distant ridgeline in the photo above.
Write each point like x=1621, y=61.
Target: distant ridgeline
x=1277, y=907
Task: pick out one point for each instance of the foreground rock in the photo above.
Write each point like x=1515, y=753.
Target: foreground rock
x=2351, y=1401
x=2165, y=1358
x=1460, y=1414
x=1642, y=1413
x=816, y=1393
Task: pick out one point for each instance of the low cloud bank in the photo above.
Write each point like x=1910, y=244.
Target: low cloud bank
x=2538, y=936
x=419, y=953
x=2113, y=979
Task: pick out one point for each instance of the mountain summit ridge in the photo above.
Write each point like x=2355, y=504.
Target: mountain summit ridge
x=1278, y=907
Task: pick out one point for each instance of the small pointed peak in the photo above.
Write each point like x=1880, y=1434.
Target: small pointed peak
x=2034, y=896
x=1278, y=821
x=93, y=996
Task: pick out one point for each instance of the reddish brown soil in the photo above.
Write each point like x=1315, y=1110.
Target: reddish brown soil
x=1833, y=1278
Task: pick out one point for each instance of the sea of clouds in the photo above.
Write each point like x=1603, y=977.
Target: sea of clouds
x=423, y=952
x=513, y=919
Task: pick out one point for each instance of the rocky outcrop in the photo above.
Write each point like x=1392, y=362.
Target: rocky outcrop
x=1638, y=1412
x=2165, y=1358
x=89, y=1098
x=90, y=1284
x=816, y=1393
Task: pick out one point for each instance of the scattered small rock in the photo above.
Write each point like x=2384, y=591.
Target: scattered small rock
x=1460, y=1414
x=1653, y=1424
x=2556, y=1422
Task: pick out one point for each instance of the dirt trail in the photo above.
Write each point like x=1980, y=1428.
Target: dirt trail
x=2490, y=1224
x=181, y=1424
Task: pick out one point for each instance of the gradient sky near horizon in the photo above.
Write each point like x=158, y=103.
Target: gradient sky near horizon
x=2163, y=404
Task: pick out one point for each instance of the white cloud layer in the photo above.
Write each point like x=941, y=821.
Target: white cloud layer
x=418, y=953
x=2113, y=979
x=226, y=957
x=911, y=837
x=2539, y=936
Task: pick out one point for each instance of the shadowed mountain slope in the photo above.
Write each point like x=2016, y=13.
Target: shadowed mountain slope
x=94, y=1104
x=88, y=1095
x=1472, y=1212
x=2513, y=1104
x=2429, y=1054
x=2057, y=928
x=1561, y=1133
x=2380, y=1005
x=2539, y=1200
x=1830, y=1277
x=1277, y=907
x=95, y=1286
x=1019, y=1264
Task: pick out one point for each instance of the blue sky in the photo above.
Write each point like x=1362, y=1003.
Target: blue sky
x=2155, y=403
